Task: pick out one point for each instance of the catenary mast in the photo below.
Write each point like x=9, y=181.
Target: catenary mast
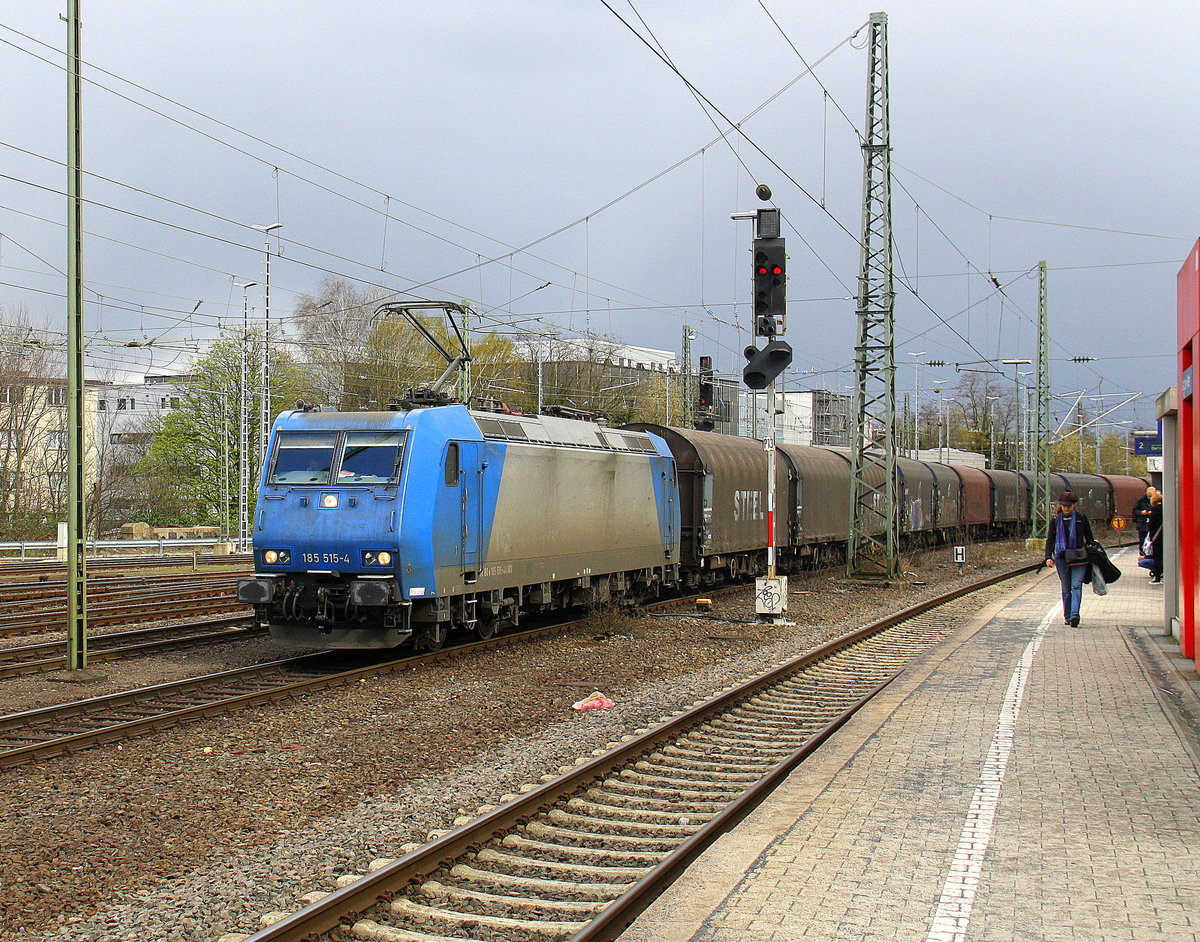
x=1041, y=414
x=873, y=538
x=76, y=439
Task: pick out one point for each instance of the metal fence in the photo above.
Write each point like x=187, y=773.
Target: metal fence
x=48, y=549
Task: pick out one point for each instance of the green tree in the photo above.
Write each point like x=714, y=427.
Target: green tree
x=191, y=469
x=397, y=357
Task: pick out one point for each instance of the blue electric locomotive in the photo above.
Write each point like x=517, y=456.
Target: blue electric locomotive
x=376, y=528
x=372, y=528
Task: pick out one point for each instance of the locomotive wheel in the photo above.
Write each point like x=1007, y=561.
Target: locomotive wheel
x=486, y=628
x=432, y=637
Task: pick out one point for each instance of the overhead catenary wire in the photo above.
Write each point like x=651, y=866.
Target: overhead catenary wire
x=381, y=193
x=275, y=169
x=978, y=271
x=700, y=95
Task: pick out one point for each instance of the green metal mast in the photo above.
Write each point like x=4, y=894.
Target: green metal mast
x=688, y=411
x=76, y=442
x=1041, y=414
x=464, y=373
x=873, y=538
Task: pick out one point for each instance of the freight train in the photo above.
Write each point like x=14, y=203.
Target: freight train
x=373, y=529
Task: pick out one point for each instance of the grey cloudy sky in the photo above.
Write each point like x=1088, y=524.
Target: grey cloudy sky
x=483, y=126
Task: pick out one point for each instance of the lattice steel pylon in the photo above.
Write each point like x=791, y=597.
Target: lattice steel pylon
x=1040, y=417
x=874, y=535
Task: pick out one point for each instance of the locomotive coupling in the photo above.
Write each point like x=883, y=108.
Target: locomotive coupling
x=256, y=591
x=371, y=591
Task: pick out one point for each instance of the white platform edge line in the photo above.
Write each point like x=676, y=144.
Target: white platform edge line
x=958, y=892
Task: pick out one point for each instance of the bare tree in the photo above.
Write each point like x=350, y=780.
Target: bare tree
x=982, y=414
x=588, y=374
x=118, y=491
x=355, y=360
x=33, y=428
x=334, y=327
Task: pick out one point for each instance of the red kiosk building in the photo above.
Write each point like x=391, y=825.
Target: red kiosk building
x=1188, y=443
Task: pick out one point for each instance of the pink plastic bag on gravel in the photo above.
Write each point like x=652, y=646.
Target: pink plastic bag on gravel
x=597, y=701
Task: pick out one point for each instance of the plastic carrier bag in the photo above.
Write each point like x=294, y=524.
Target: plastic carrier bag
x=1099, y=586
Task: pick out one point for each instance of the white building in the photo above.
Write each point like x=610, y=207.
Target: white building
x=595, y=350
x=970, y=459
x=126, y=411
x=804, y=417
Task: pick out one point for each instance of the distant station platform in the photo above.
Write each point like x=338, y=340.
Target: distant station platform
x=1024, y=780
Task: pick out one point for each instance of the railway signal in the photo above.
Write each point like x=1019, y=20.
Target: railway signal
x=770, y=286
x=705, y=397
x=764, y=365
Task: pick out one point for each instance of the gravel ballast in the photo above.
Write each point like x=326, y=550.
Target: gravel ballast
x=190, y=833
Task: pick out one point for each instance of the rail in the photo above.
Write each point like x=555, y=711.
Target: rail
x=642, y=882
x=48, y=549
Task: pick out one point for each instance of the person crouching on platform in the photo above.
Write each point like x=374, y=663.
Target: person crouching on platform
x=1155, y=532
x=1066, y=538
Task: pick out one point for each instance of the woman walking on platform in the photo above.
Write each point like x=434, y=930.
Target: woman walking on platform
x=1066, y=539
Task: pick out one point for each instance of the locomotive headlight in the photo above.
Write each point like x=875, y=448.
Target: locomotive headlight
x=270, y=556
x=385, y=558
x=285, y=557
x=329, y=501
x=369, y=558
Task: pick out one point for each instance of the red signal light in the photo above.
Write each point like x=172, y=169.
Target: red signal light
x=776, y=270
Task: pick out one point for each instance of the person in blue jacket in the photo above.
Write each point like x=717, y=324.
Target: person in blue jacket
x=1066, y=538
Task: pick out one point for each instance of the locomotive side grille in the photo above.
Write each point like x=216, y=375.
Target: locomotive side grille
x=608, y=440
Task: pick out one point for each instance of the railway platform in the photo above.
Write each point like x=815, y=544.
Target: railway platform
x=1024, y=780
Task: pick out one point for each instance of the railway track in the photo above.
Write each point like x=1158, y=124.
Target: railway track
x=12, y=568
x=42, y=588
x=33, y=658
x=579, y=856
x=151, y=605
x=50, y=731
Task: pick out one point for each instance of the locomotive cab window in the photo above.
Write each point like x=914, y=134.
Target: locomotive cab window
x=303, y=457
x=452, y=465
x=371, y=457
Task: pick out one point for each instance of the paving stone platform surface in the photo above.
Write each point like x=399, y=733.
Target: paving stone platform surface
x=1025, y=780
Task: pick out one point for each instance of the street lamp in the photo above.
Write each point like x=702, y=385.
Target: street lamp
x=1017, y=404
x=991, y=427
x=243, y=419
x=916, y=402
x=264, y=417
x=1027, y=440
x=944, y=449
